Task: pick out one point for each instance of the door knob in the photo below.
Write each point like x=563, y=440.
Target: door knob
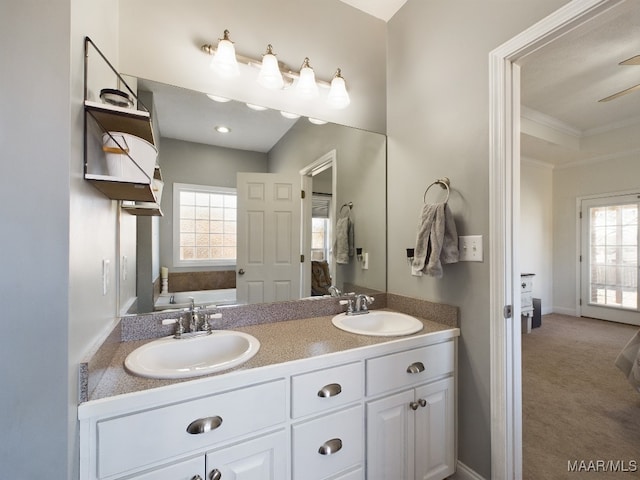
x=241, y=272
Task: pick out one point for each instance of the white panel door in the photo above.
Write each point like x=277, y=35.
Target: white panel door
x=268, y=258
x=610, y=255
x=435, y=442
x=390, y=438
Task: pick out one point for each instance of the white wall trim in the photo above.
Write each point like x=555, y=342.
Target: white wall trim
x=465, y=473
x=504, y=188
x=599, y=159
x=550, y=122
x=565, y=311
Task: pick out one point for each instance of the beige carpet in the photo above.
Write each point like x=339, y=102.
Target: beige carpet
x=577, y=406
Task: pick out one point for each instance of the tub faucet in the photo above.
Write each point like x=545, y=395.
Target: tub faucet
x=334, y=291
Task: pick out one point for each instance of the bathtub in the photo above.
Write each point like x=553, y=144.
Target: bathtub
x=201, y=298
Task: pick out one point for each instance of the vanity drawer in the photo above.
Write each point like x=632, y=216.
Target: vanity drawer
x=409, y=367
x=328, y=445
x=324, y=389
x=144, y=438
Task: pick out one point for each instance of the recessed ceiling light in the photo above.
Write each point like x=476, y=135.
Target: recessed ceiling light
x=289, y=115
x=216, y=98
x=222, y=129
x=257, y=108
x=317, y=121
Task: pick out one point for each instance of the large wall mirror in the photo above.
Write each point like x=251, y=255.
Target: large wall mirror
x=219, y=245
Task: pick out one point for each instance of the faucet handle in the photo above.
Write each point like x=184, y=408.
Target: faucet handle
x=349, y=303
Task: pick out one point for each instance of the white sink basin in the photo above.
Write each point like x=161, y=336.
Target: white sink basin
x=169, y=357
x=379, y=323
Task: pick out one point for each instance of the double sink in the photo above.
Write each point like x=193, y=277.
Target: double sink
x=172, y=358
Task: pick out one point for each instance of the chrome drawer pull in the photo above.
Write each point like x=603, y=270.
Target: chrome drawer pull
x=415, y=367
x=330, y=390
x=215, y=474
x=330, y=447
x=204, y=425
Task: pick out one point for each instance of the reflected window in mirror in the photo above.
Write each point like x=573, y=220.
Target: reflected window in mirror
x=204, y=223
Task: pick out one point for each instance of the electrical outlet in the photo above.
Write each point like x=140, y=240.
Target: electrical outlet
x=365, y=261
x=470, y=248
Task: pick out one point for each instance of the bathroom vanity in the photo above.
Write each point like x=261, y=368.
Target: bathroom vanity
x=314, y=403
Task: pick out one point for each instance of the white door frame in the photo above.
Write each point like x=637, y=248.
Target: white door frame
x=504, y=204
x=328, y=160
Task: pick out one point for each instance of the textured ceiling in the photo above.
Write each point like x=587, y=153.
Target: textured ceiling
x=564, y=80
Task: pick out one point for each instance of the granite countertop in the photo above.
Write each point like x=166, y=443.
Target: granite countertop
x=280, y=342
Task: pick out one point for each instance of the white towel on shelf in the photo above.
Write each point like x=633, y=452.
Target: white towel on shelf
x=436, y=241
x=344, y=240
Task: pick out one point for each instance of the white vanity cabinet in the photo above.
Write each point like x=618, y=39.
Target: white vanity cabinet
x=263, y=458
x=411, y=431
x=382, y=412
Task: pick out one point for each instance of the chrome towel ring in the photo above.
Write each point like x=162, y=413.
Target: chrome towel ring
x=348, y=205
x=444, y=182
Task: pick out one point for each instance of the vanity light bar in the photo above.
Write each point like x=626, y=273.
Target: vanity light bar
x=225, y=62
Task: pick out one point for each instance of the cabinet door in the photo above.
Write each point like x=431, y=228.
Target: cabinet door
x=192, y=469
x=264, y=458
x=390, y=436
x=435, y=430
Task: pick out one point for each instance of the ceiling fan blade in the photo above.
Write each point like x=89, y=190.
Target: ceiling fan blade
x=621, y=93
x=631, y=61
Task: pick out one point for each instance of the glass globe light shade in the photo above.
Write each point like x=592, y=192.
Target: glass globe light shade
x=270, y=75
x=307, y=86
x=338, y=96
x=224, y=61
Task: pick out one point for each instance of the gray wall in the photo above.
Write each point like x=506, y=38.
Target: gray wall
x=438, y=125
x=166, y=48
x=536, y=229
x=621, y=174
x=199, y=164
x=61, y=230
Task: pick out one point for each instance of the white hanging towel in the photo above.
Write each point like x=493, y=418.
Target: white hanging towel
x=344, y=240
x=436, y=241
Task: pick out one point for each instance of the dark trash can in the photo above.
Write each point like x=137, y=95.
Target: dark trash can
x=536, y=320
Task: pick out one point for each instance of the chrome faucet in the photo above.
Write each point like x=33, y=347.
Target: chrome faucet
x=362, y=303
x=357, y=304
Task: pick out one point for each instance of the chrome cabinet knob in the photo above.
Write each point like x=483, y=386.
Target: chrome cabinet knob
x=215, y=474
x=422, y=402
x=330, y=447
x=241, y=271
x=330, y=390
x=414, y=405
x=204, y=425
x=196, y=477
x=416, y=367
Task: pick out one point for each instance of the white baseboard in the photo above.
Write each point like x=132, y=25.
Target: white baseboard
x=565, y=311
x=465, y=473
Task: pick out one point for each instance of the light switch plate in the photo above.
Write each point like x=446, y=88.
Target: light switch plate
x=470, y=248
